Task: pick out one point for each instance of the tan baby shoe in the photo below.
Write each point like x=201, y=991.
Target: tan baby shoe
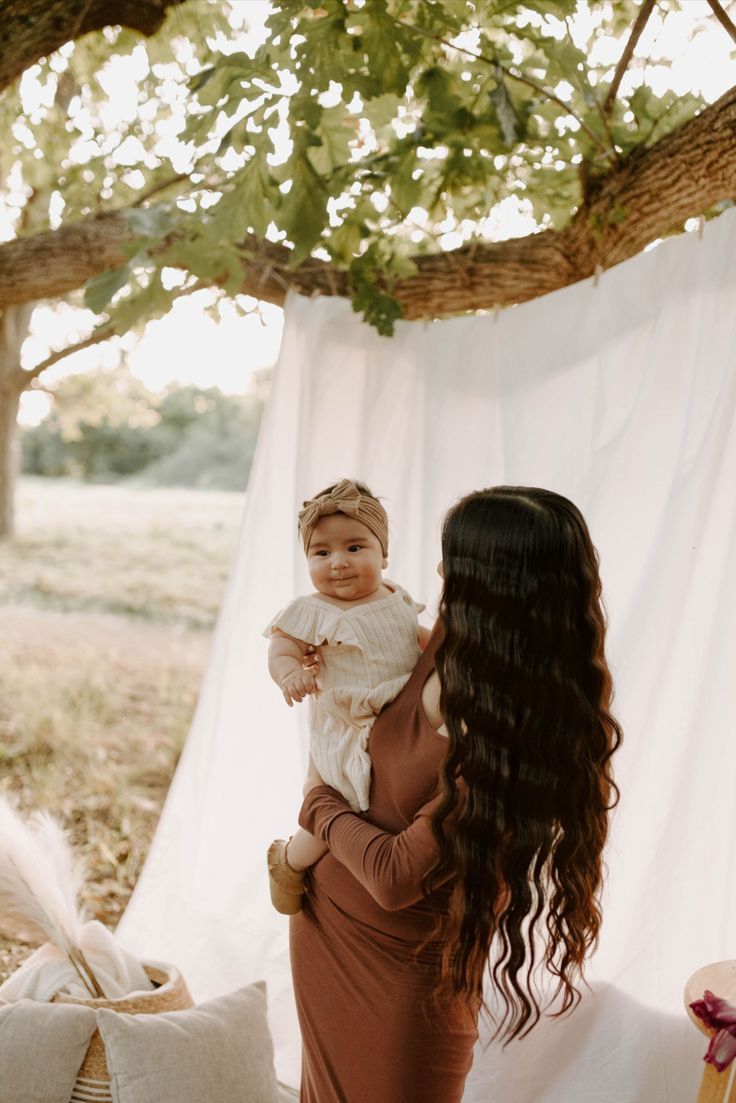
x=286, y=884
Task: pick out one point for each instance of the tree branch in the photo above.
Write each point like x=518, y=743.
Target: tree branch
x=722, y=17
x=650, y=195
x=50, y=264
x=102, y=333
x=36, y=28
x=162, y=185
x=636, y=31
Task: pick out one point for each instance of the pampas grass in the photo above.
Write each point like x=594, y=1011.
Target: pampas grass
x=40, y=883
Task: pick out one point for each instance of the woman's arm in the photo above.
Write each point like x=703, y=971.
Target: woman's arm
x=391, y=867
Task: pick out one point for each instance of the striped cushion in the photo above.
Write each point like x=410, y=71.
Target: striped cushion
x=42, y=1046
x=91, y=1091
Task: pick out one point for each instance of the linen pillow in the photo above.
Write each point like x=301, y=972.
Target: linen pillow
x=221, y=1050
x=42, y=1046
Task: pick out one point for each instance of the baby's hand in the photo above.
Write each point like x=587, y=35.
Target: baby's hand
x=297, y=684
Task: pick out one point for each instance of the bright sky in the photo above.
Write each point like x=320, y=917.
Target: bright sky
x=189, y=346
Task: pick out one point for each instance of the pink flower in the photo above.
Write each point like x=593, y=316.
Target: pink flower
x=722, y=1049
x=720, y=1016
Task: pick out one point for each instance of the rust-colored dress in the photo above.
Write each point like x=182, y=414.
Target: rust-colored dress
x=364, y=973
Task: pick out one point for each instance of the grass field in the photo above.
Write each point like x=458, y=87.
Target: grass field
x=108, y=597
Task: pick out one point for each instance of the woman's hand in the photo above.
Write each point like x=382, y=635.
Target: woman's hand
x=312, y=660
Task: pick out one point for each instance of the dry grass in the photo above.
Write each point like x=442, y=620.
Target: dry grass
x=96, y=700
x=160, y=555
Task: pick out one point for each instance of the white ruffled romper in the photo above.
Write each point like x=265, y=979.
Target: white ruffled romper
x=368, y=652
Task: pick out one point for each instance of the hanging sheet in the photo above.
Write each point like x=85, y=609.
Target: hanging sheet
x=621, y=396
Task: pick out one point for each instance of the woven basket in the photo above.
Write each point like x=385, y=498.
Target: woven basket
x=170, y=994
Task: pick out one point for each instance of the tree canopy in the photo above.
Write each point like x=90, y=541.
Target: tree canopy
x=366, y=136
x=408, y=122
x=365, y=149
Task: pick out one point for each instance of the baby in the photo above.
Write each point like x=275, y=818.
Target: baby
x=368, y=639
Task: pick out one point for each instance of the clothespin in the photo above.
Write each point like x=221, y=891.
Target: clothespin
x=496, y=311
x=597, y=274
x=701, y=226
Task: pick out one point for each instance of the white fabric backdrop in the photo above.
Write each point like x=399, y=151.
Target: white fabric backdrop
x=621, y=396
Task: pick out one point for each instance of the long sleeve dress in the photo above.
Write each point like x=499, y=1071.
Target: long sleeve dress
x=365, y=949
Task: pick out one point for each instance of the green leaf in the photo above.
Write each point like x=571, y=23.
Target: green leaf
x=246, y=68
x=380, y=40
x=150, y=302
x=248, y=204
x=344, y=242
x=100, y=289
x=404, y=187
x=335, y=135
x=381, y=110
x=326, y=39
x=303, y=210
x=564, y=59
x=437, y=85
x=151, y=222
x=304, y=108
x=378, y=308
x=557, y=8
x=646, y=106
x=195, y=253
x=509, y=119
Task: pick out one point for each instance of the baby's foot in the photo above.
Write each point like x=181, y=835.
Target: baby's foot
x=286, y=884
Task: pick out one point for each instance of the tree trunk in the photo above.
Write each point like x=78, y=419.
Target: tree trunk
x=35, y=28
x=14, y=323
x=9, y=459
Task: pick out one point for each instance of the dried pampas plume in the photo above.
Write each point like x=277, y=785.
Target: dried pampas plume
x=40, y=883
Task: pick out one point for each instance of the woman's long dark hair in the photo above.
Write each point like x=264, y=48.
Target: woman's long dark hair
x=525, y=692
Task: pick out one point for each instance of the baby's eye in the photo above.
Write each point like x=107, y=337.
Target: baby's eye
x=355, y=547
x=321, y=553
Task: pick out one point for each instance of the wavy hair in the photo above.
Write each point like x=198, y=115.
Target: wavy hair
x=527, y=784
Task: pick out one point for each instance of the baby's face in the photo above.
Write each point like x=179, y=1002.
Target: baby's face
x=344, y=558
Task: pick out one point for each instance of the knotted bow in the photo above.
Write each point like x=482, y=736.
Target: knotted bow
x=345, y=498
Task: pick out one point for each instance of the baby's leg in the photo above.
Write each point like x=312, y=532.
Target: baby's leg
x=304, y=850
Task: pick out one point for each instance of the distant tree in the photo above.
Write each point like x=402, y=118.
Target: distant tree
x=211, y=438
x=106, y=425
x=99, y=427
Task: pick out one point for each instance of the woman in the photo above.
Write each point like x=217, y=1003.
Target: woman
x=508, y=708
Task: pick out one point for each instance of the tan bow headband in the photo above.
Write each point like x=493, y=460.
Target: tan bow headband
x=345, y=498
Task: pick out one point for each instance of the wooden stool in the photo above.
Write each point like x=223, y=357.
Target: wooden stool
x=720, y=979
